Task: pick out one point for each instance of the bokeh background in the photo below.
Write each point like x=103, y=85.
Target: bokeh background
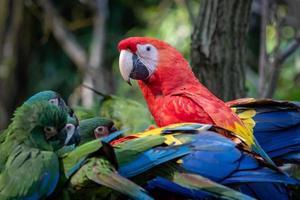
x=60, y=45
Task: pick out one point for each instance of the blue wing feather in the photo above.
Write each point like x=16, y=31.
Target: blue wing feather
x=151, y=158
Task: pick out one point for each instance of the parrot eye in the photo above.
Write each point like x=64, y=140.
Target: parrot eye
x=101, y=131
x=69, y=127
x=50, y=132
x=148, y=48
x=54, y=101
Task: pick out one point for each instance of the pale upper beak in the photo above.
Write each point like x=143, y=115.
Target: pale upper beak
x=132, y=66
x=126, y=65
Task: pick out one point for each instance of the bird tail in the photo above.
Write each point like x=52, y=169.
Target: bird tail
x=276, y=126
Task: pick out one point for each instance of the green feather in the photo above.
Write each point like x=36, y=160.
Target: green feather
x=100, y=171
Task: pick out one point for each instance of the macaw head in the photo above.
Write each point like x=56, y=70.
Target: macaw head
x=96, y=127
x=39, y=125
x=71, y=130
x=50, y=96
x=143, y=58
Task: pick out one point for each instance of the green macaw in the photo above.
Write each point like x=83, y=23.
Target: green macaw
x=29, y=166
x=72, y=128
x=93, y=163
x=55, y=99
x=126, y=113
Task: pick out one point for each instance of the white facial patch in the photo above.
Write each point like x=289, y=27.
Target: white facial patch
x=148, y=55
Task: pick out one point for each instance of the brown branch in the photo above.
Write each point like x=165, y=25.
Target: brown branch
x=276, y=65
x=64, y=37
x=98, y=78
x=262, y=48
x=97, y=44
x=289, y=50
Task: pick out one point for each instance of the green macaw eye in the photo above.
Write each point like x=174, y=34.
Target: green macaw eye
x=101, y=131
x=54, y=101
x=50, y=132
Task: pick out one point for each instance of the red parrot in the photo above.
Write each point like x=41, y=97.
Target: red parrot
x=174, y=94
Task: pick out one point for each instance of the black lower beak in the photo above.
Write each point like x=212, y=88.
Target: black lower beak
x=113, y=129
x=140, y=71
x=75, y=138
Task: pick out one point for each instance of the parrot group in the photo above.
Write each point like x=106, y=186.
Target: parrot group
x=266, y=129
x=187, y=160
x=203, y=148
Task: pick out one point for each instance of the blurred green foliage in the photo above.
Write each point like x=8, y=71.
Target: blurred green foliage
x=51, y=68
x=126, y=114
x=168, y=20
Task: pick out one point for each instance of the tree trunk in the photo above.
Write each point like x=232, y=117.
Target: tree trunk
x=219, y=45
x=11, y=18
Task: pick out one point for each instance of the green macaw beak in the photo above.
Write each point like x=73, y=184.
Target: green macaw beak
x=74, y=139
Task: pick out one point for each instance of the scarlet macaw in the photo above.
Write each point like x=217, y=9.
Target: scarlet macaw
x=175, y=95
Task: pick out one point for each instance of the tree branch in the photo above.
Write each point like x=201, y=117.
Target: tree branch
x=65, y=38
x=276, y=65
x=289, y=50
x=262, y=48
x=98, y=78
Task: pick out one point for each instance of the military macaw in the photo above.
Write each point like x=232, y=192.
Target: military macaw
x=55, y=99
x=95, y=127
x=174, y=94
x=29, y=166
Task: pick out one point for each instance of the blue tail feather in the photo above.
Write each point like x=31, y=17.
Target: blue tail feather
x=277, y=191
x=165, y=185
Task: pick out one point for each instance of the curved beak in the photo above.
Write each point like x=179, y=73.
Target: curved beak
x=131, y=66
x=72, y=134
x=126, y=65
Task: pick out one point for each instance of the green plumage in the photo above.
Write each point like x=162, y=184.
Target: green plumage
x=25, y=147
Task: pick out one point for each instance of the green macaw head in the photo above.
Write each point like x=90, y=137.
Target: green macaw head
x=71, y=129
x=39, y=125
x=52, y=97
x=96, y=127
